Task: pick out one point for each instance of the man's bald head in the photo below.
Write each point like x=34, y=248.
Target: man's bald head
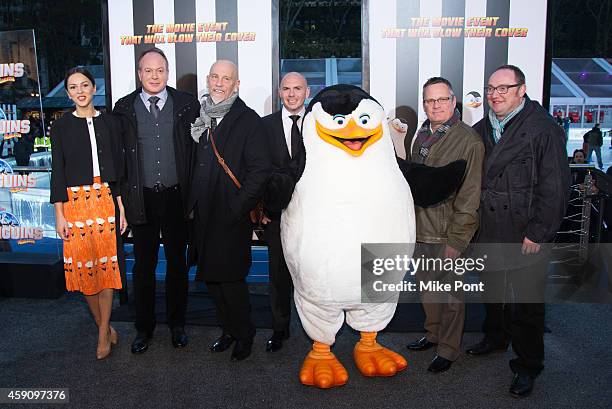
x=293, y=91
x=222, y=80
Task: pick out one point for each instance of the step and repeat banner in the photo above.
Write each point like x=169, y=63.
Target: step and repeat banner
x=193, y=34
x=26, y=216
x=461, y=40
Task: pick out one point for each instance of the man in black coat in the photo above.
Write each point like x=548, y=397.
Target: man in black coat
x=155, y=122
x=524, y=196
x=221, y=198
x=283, y=133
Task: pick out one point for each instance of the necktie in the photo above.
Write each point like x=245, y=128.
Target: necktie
x=154, y=108
x=295, y=135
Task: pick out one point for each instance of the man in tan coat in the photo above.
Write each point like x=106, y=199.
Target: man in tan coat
x=445, y=229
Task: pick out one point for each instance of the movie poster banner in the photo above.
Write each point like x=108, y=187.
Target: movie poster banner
x=26, y=216
x=193, y=34
x=460, y=40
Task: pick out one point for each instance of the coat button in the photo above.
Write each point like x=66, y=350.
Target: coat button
x=492, y=208
x=133, y=150
x=134, y=187
x=505, y=207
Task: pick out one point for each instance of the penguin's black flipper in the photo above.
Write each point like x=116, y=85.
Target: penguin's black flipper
x=281, y=184
x=430, y=185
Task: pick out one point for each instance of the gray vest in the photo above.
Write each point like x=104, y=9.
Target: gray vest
x=156, y=145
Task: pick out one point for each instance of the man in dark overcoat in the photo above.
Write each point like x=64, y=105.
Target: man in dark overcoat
x=227, y=131
x=525, y=188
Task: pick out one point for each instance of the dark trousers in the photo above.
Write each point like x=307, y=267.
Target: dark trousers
x=520, y=322
x=233, y=308
x=164, y=212
x=281, y=285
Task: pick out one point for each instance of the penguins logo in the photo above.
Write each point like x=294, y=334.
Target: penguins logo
x=15, y=182
x=12, y=229
x=356, y=123
x=473, y=99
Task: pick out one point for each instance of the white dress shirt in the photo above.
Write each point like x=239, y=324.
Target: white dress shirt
x=288, y=123
x=163, y=96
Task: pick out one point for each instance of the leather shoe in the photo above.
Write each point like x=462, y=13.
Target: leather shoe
x=141, y=342
x=439, y=364
x=484, y=347
x=241, y=350
x=179, y=338
x=521, y=385
x=276, y=341
x=222, y=343
x=421, y=345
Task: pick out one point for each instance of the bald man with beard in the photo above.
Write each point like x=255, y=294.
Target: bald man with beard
x=227, y=128
x=283, y=135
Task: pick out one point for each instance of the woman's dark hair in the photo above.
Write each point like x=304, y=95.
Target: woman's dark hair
x=79, y=70
x=578, y=150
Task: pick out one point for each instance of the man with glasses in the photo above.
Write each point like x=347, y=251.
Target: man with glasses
x=444, y=230
x=155, y=122
x=525, y=186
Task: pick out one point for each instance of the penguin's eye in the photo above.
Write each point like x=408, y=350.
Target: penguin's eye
x=339, y=119
x=364, y=119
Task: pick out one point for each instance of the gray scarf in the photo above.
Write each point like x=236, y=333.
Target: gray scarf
x=209, y=110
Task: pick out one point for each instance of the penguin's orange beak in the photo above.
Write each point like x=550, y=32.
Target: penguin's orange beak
x=352, y=138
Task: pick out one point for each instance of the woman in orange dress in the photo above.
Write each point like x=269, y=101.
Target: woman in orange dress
x=86, y=170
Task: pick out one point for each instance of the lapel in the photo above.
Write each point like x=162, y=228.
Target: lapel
x=509, y=146
x=223, y=133
x=279, y=137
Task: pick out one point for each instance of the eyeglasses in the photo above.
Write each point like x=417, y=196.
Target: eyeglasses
x=441, y=100
x=501, y=89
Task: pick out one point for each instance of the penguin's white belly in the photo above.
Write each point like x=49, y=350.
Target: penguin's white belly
x=328, y=219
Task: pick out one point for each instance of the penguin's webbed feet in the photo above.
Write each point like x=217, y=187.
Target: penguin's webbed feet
x=372, y=359
x=322, y=369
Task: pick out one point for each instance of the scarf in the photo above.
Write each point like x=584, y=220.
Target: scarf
x=498, y=126
x=426, y=138
x=209, y=110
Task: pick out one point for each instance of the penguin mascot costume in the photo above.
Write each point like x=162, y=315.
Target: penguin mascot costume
x=346, y=188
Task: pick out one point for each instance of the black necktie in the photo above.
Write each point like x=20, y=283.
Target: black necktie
x=154, y=108
x=295, y=135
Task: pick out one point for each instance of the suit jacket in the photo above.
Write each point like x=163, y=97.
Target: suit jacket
x=222, y=227
x=277, y=145
x=186, y=109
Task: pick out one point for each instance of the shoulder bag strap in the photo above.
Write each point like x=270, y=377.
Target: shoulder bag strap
x=222, y=161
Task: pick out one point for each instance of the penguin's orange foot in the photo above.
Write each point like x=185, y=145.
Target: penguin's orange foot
x=322, y=369
x=376, y=360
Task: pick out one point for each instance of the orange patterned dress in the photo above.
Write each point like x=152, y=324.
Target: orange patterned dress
x=90, y=253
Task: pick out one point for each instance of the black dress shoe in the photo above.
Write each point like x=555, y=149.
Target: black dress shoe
x=276, y=341
x=439, y=364
x=521, y=386
x=179, y=338
x=222, y=343
x=421, y=345
x=484, y=347
x=141, y=342
x=241, y=350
